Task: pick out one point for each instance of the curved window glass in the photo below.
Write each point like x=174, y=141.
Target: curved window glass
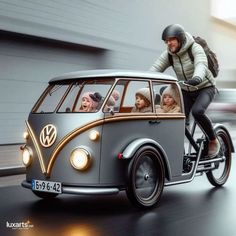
x=78, y=96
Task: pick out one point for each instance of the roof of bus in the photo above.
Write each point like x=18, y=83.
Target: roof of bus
x=113, y=73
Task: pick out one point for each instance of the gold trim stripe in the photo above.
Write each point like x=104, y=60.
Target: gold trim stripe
x=116, y=118
x=41, y=162
x=144, y=117
x=66, y=139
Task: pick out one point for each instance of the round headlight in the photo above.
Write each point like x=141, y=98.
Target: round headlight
x=27, y=156
x=94, y=135
x=80, y=159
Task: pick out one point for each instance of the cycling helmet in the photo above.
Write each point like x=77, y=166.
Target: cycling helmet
x=176, y=31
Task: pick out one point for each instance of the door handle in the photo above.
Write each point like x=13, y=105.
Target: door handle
x=153, y=122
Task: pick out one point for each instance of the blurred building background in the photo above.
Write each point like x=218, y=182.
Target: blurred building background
x=223, y=35
x=43, y=39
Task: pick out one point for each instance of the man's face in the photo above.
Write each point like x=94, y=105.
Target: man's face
x=173, y=44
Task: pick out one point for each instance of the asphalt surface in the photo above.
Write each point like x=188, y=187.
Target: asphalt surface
x=195, y=208
x=192, y=209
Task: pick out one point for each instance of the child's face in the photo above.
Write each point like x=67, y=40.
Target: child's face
x=140, y=102
x=85, y=104
x=168, y=100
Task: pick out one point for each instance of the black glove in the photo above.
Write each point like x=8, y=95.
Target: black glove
x=194, y=81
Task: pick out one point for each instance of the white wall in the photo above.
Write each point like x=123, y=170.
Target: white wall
x=224, y=41
x=127, y=32
x=107, y=24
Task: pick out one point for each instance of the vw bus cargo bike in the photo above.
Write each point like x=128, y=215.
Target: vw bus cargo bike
x=104, y=131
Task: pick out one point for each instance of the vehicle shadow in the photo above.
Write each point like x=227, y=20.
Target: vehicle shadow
x=84, y=205
x=115, y=215
x=119, y=204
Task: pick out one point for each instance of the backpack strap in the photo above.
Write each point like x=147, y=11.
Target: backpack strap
x=170, y=58
x=190, y=53
x=192, y=57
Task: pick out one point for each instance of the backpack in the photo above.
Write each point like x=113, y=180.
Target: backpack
x=213, y=64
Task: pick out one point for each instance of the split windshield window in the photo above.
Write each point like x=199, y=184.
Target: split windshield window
x=71, y=97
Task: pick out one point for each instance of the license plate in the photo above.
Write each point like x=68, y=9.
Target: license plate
x=46, y=186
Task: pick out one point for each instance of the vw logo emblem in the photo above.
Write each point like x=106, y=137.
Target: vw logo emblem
x=48, y=135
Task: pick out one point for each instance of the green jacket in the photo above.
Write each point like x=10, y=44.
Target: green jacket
x=183, y=66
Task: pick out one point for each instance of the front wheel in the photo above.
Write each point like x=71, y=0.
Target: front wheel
x=219, y=176
x=146, y=177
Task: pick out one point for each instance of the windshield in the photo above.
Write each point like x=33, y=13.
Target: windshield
x=78, y=96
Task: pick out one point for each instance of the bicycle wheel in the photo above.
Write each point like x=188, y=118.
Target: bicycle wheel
x=219, y=176
x=146, y=177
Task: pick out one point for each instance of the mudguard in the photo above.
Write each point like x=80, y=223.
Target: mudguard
x=130, y=150
x=217, y=126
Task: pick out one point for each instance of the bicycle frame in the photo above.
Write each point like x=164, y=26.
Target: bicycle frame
x=198, y=165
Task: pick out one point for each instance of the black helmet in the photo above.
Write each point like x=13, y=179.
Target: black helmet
x=176, y=31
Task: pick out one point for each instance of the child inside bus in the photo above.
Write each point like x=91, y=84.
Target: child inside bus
x=169, y=101
x=142, y=101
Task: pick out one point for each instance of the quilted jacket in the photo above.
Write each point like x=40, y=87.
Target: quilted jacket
x=183, y=66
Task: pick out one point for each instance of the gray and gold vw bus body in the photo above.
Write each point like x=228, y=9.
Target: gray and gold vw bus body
x=108, y=149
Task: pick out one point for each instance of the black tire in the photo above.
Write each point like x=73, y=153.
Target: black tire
x=146, y=177
x=45, y=195
x=219, y=176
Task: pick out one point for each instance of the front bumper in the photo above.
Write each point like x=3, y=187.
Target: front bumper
x=81, y=190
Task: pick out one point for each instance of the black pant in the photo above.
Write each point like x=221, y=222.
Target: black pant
x=198, y=101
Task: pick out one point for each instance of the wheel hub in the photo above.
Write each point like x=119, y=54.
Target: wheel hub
x=146, y=177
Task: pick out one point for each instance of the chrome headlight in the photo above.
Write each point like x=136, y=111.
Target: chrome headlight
x=80, y=159
x=27, y=156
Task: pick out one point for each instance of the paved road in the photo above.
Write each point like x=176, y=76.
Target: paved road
x=193, y=209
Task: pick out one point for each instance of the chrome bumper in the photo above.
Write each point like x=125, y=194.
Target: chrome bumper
x=81, y=190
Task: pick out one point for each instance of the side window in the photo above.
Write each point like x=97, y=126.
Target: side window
x=137, y=97
x=166, y=98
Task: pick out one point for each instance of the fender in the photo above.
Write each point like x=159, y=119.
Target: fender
x=130, y=150
x=226, y=130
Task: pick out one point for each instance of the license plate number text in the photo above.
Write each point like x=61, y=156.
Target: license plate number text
x=46, y=186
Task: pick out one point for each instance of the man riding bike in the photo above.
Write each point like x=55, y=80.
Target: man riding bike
x=196, y=73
